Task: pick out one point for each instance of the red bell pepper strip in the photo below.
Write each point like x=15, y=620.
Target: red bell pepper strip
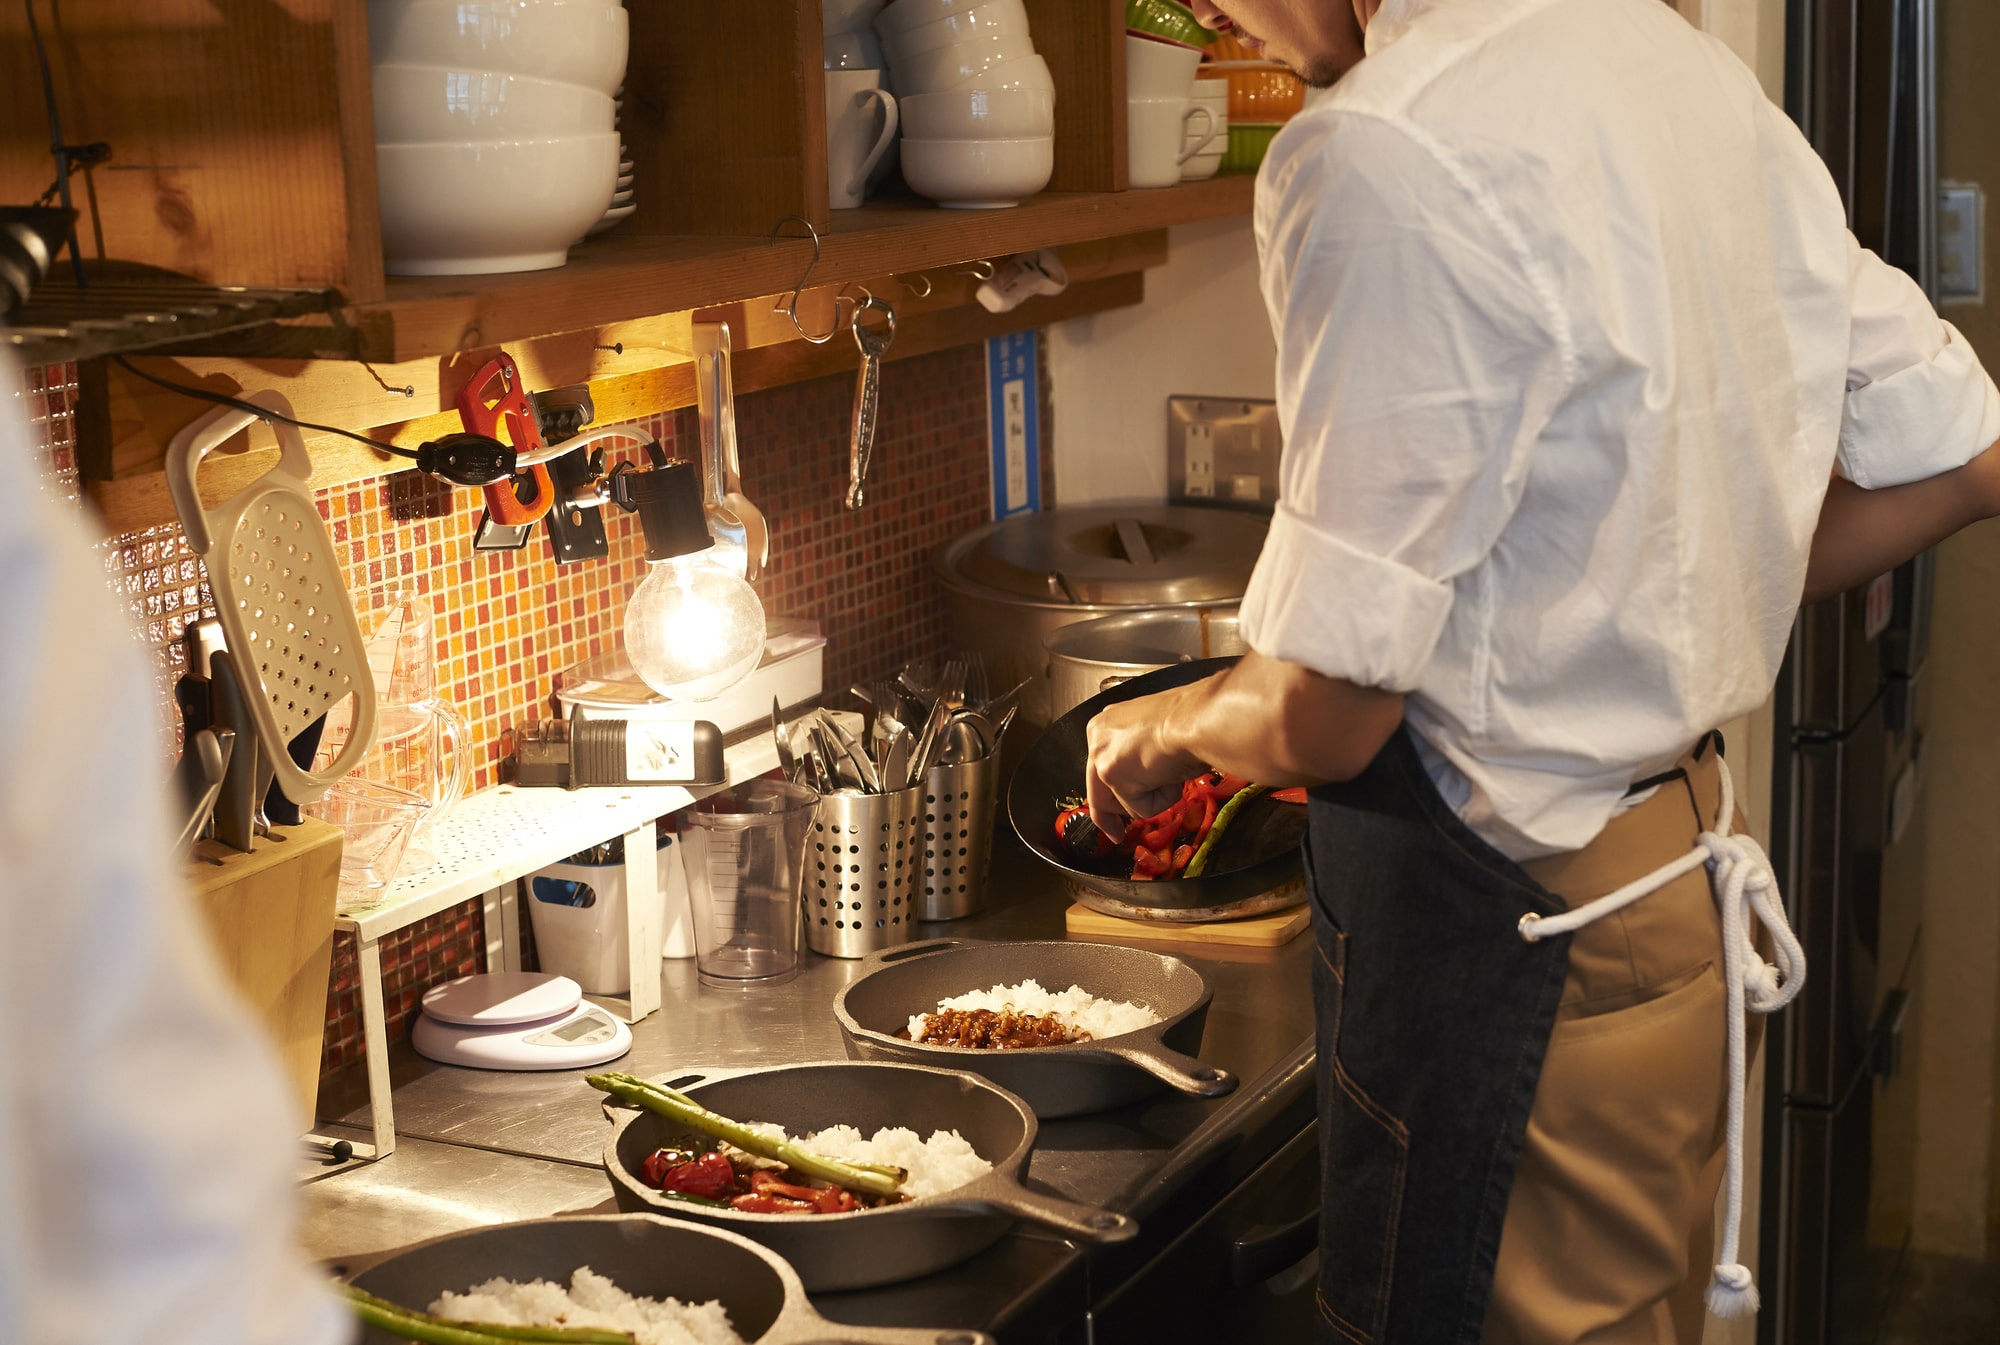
x=762, y=1204
x=1296, y=794
x=710, y=1176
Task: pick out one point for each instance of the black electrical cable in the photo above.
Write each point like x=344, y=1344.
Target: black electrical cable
x=263, y=413
x=463, y=459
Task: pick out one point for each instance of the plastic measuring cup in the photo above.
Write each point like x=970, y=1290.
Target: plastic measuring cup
x=743, y=851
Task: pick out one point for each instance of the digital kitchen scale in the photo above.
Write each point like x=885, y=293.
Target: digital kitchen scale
x=516, y=1020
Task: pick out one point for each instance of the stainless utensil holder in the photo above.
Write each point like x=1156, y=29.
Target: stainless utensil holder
x=958, y=837
x=867, y=857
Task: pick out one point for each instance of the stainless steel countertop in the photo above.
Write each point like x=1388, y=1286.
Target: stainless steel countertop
x=475, y=1147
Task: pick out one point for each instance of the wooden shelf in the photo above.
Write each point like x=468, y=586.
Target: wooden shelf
x=621, y=279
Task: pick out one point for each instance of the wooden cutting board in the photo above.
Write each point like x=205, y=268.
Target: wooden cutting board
x=1259, y=931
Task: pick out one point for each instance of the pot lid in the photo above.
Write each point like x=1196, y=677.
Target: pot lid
x=1124, y=555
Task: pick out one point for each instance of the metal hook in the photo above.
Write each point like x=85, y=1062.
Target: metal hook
x=982, y=269
x=911, y=290
x=790, y=308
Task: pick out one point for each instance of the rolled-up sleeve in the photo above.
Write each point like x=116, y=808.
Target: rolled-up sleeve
x=1919, y=403
x=1418, y=359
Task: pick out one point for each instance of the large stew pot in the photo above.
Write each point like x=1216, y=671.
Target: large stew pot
x=1256, y=866
x=878, y=1246
x=642, y=1254
x=897, y=983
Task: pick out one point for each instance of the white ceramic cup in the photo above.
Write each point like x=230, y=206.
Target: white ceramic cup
x=854, y=145
x=978, y=174
x=1208, y=149
x=979, y=114
x=1158, y=69
x=1157, y=141
x=856, y=49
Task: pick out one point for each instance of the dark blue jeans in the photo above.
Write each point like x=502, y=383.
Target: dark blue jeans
x=1434, y=1017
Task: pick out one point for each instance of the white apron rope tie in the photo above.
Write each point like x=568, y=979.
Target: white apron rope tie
x=1739, y=873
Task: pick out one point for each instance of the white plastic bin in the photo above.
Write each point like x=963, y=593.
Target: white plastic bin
x=591, y=943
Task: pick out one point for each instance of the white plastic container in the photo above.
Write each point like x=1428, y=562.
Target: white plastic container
x=591, y=944
x=606, y=687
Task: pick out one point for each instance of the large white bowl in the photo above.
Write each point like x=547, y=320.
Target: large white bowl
x=994, y=18
x=978, y=174
x=1159, y=69
x=491, y=206
x=931, y=68
x=979, y=114
x=423, y=103
x=575, y=41
x=904, y=14
x=959, y=65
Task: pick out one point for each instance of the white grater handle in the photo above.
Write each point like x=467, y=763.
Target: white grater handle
x=200, y=437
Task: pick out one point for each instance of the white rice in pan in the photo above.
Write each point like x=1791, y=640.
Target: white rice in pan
x=1073, y=1008
x=943, y=1162
x=590, y=1300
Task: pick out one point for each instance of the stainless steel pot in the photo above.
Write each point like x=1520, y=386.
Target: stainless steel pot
x=1012, y=584
x=1093, y=656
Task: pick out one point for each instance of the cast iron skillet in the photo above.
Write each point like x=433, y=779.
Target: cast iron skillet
x=1258, y=854
x=896, y=983
x=866, y=1247
x=641, y=1254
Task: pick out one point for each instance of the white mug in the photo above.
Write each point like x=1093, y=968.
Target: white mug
x=853, y=145
x=1159, y=139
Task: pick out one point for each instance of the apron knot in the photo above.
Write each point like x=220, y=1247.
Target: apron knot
x=1731, y=1292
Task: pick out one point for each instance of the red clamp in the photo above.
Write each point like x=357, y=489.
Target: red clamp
x=482, y=416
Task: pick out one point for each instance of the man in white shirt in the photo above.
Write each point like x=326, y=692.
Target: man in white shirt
x=148, y=1152
x=1584, y=385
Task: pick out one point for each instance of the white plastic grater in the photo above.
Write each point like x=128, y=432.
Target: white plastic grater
x=284, y=610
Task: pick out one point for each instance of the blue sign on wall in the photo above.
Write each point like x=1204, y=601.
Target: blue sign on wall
x=1014, y=423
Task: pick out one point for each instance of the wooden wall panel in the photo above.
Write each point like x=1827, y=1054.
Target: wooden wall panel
x=1084, y=43
x=241, y=134
x=724, y=116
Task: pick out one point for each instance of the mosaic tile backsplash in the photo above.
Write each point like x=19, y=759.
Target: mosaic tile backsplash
x=510, y=622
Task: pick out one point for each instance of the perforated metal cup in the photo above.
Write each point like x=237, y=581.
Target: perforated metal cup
x=958, y=837
x=866, y=860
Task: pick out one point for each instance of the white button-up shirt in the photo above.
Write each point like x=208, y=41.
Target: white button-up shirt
x=1571, y=335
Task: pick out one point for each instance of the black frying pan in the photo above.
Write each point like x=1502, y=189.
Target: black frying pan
x=1256, y=856
x=878, y=1246
x=896, y=983
x=641, y=1254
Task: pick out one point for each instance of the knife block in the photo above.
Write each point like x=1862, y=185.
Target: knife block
x=269, y=916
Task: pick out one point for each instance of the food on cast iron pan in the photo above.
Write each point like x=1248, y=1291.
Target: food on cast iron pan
x=756, y=1168
x=1184, y=840
x=1024, y=1016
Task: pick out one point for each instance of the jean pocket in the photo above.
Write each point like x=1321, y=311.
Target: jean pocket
x=1364, y=1159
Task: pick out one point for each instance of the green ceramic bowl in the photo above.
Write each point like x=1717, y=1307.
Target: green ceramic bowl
x=1166, y=18
x=1247, y=143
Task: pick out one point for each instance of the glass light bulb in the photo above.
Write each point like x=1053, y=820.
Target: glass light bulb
x=693, y=629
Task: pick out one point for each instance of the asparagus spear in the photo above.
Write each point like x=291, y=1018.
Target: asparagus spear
x=875, y=1179
x=409, y=1324
x=1222, y=820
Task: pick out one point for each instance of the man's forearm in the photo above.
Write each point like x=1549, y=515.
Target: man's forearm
x=1279, y=724
x=1864, y=533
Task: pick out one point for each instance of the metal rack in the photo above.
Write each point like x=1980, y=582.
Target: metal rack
x=128, y=308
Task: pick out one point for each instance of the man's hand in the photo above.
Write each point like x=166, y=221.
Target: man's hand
x=1273, y=722
x=1133, y=773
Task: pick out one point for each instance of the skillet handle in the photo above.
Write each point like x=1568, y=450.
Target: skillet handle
x=903, y=952
x=1183, y=1072
x=1076, y=1221
x=809, y=1328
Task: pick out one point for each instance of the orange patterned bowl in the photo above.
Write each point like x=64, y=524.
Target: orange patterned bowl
x=1260, y=91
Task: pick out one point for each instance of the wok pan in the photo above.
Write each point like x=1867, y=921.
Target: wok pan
x=641, y=1254
x=897, y=983
x=878, y=1246
x=1255, y=867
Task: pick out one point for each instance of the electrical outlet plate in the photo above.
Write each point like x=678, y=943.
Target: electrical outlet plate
x=1961, y=225
x=1223, y=451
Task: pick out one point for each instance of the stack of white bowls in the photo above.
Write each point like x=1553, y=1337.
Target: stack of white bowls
x=496, y=139
x=978, y=105
x=848, y=41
